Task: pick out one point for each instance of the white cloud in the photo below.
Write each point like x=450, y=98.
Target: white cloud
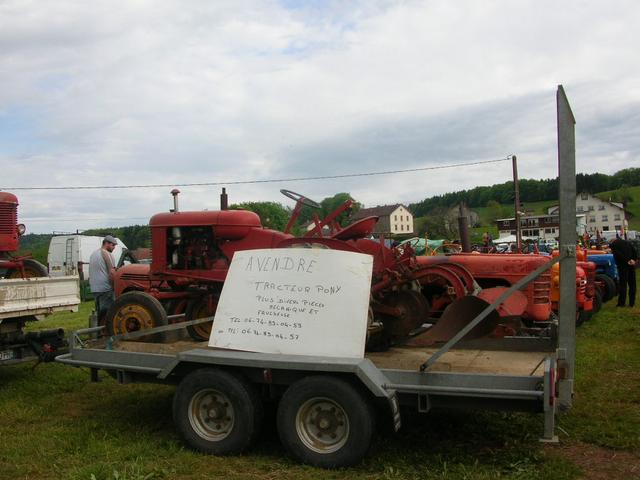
x=141, y=92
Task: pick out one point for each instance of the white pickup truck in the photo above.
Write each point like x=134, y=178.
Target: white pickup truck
x=28, y=299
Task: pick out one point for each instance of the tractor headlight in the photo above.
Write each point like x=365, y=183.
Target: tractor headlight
x=21, y=229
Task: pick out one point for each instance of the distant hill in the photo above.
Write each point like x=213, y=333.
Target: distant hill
x=134, y=236
x=433, y=225
x=530, y=191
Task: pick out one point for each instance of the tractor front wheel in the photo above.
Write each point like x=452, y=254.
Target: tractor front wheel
x=134, y=311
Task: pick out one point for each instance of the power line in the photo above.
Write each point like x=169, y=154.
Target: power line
x=276, y=180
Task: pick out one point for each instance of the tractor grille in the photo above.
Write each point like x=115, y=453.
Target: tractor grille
x=8, y=218
x=542, y=288
x=135, y=277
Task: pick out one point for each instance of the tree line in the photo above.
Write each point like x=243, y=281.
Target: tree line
x=530, y=191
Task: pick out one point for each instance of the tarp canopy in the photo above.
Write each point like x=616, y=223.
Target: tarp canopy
x=511, y=239
x=418, y=244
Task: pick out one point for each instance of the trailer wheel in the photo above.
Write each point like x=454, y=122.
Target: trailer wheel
x=32, y=269
x=610, y=289
x=135, y=311
x=325, y=421
x=217, y=412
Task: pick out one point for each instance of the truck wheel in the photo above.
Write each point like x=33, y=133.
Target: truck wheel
x=200, y=308
x=217, y=412
x=32, y=269
x=610, y=289
x=325, y=421
x=135, y=311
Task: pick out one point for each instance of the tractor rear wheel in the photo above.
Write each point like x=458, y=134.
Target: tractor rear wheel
x=32, y=269
x=583, y=316
x=597, y=302
x=134, y=311
x=200, y=308
x=610, y=289
x=414, y=311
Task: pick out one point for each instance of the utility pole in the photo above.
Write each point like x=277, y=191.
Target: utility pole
x=463, y=229
x=514, y=162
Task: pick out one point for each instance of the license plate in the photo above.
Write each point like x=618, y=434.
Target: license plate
x=6, y=355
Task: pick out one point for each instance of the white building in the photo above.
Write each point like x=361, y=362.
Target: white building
x=599, y=215
x=393, y=219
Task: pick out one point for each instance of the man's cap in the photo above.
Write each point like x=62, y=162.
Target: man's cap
x=109, y=239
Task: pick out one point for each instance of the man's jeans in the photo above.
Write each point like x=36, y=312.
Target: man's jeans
x=103, y=300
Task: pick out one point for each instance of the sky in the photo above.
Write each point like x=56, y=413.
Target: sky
x=137, y=92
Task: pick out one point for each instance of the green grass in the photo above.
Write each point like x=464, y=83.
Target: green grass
x=55, y=423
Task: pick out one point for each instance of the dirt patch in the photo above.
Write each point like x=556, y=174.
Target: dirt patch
x=599, y=463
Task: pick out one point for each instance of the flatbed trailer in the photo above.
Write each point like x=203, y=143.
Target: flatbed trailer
x=327, y=407
x=374, y=387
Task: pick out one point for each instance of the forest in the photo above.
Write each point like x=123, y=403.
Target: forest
x=530, y=191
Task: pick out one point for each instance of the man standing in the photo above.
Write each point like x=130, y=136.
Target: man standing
x=101, y=269
x=626, y=258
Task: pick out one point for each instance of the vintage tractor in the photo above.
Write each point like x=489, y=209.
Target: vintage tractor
x=11, y=265
x=606, y=273
x=501, y=270
x=192, y=251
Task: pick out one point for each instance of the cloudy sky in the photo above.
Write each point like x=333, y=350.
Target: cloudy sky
x=174, y=92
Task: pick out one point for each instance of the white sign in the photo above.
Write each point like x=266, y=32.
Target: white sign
x=297, y=301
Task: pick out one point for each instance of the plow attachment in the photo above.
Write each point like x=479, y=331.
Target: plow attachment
x=463, y=310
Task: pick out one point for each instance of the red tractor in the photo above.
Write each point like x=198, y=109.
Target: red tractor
x=499, y=270
x=192, y=251
x=12, y=266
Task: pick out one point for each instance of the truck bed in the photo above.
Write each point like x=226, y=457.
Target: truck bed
x=38, y=296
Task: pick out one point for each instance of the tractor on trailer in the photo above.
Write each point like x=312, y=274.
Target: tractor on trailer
x=327, y=407
x=26, y=293
x=192, y=251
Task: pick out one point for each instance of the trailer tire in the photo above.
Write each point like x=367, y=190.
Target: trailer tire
x=610, y=289
x=326, y=422
x=133, y=311
x=231, y=425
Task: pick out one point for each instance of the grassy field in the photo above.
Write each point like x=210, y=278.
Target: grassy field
x=54, y=423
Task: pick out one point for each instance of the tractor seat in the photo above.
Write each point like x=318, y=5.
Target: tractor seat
x=358, y=229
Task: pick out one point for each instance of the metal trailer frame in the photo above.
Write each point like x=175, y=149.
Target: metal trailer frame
x=422, y=388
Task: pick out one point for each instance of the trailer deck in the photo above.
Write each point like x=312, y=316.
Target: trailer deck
x=497, y=362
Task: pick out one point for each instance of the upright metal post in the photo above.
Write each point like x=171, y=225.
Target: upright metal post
x=463, y=229
x=567, y=195
x=516, y=188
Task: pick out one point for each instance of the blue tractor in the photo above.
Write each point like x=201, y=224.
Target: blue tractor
x=606, y=275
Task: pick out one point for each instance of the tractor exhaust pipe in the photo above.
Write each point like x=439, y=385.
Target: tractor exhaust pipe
x=175, y=192
x=224, y=200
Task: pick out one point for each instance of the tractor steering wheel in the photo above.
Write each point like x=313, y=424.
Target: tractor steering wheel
x=296, y=197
